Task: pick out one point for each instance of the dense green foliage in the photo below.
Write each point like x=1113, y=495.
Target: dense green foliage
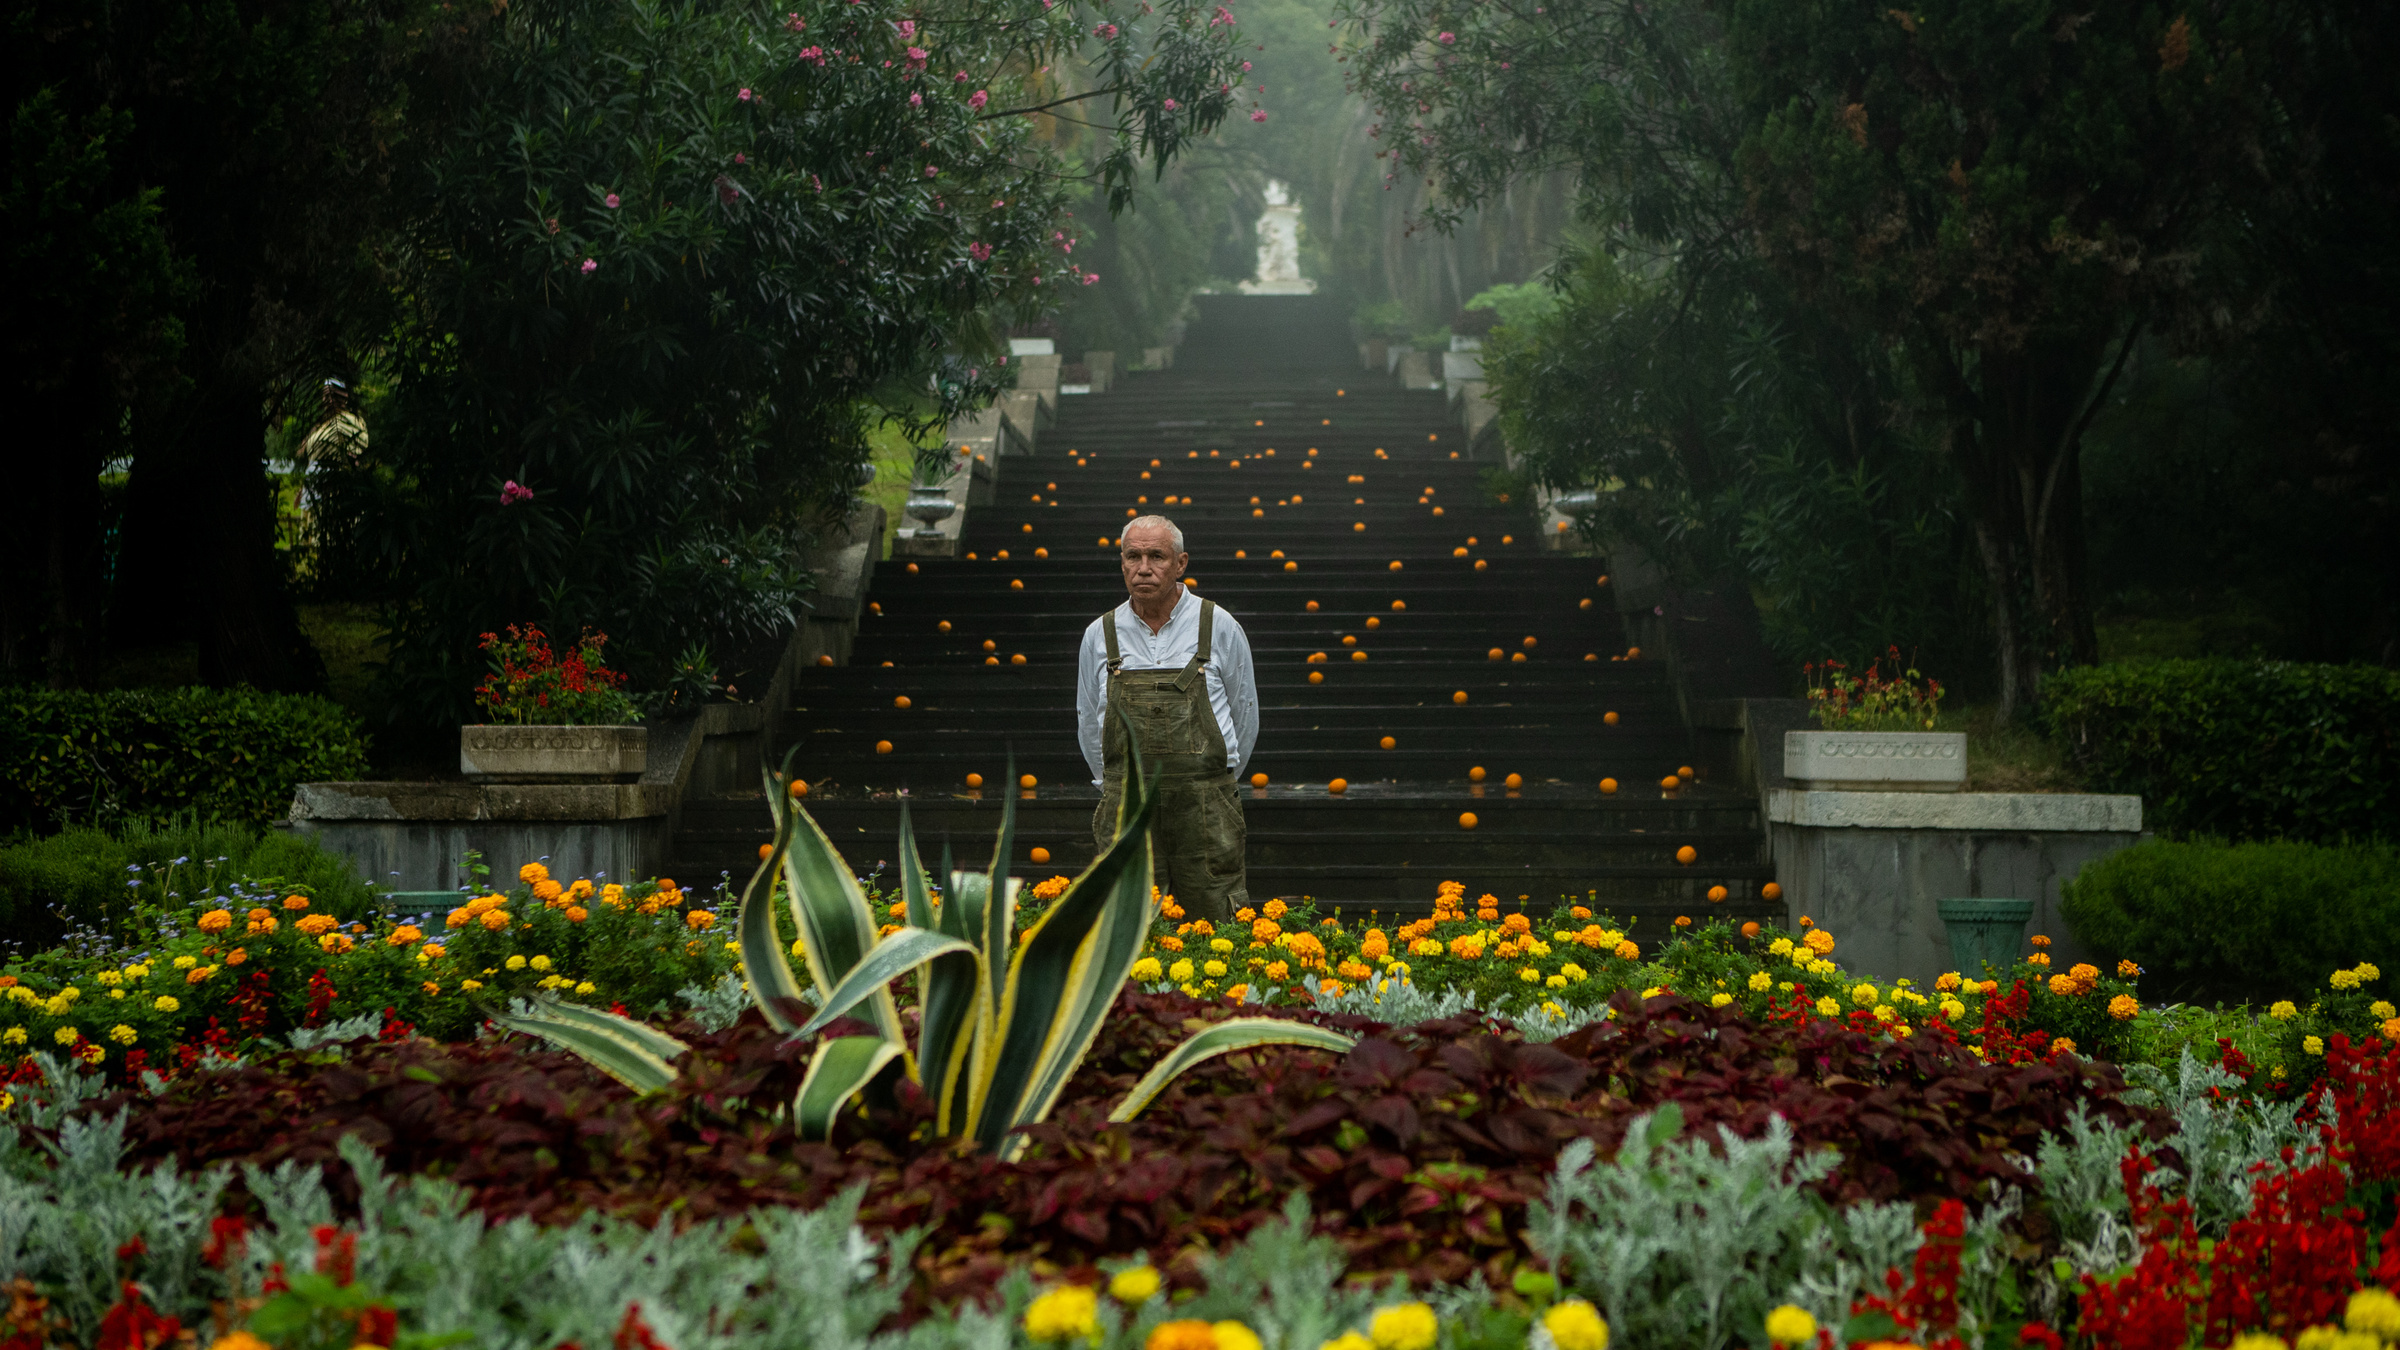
x=1860, y=280
x=2242, y=749
x=102, y=880
x=2253, y=922
x=231, y=754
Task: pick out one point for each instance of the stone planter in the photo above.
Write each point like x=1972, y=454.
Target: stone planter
x=553, y=754
x=1985, y=933
x=1876, y=761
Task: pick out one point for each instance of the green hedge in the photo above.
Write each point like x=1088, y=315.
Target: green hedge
x=90, y=878
x=2238, y=749
x=75, y=758
x=2213, y=922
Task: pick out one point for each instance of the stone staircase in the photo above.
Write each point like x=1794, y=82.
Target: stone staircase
x=1334, y=513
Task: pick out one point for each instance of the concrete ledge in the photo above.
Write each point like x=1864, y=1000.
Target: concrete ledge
x=2045, y=812
x=481, y=801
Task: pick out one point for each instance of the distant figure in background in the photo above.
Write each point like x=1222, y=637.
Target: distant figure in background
x=1179, y=668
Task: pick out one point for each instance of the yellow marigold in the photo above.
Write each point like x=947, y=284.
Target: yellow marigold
x=1147, y=970
x=13, y=1036
x=586, y=987
x=1188, y=1334
x=295, y=902
x=1819, y=941
x=166, y=1003
x=1576, y=1325
x=66, y=1035
x=577, y=914
x=2124, y=1007
x=123, y=1034
x=1865, y=995
x=1425, y=946
x=1719, y=999
x=2062, y=1046
x=2368, y=971
x=470, y=986
x=1826, y=1007
x=2374, y=1312
x=532, y=872
x=1220, y=945
x=318, y=923
x=613, y=895
x=1529, y=975
x=403, y=935
x=1884, y=1012
x=1181, y=972
x=2064, y=986
x=2283, y=1010
x=1404, y=1326
x=1575, y=974
x=2314, y=1045
x=1629, y=950
x=1761, y=981
x=2344, y=979
x=1348, y=1340
x=2257, y=1340
x=495, y=920
x=1791, y=1324
x=1952, y=1009
x=186, y=962
x=1779, y=947
x=2381, y=1009
x=92, y=1052
x=1213, y=969
x=1134, y=1284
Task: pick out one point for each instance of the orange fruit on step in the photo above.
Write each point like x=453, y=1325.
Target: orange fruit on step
x=1039, y=855
x=1291, y=567
x=1373, y=622
x=1358, y=656
x=1633, y=653
x=1684, y=773
x=974, y=780
x=883, y=747
x=1495, y=654
x=990, y=646
x=1026, y=780
x=1670, y=783
x=912, y=569
x=942, y=627
x=765, y=851
x=1475, y=775
x=1017, y=660
x=1520, y=656
x=1312, y=606
x=1609, y=717
x=1479, y=564
x=1591, y=656
x=824, y=660
x=901, y=701
x=1016, y=585
x=1717, y=894
x=1389, y=743
x=1041, y=553
x=1316, y=677
x=1338, y=786
x=1531, y=642
x=1349, y=639
x=991, y=660
x=1608, y=787
x=1770, y=891
x=1398, y=605
x=1514, y=780
x=1467, y=821
x=1459, y=697
x=1395, y=565
x=1687, y=855
x=799, y=787
x=1258, y=780
x=1458, y=553
x=1585, y=603
x=1750, y=930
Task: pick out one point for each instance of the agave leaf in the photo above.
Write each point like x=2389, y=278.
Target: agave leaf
x=947, y=985
x=608, y=1049
x=913, y=890
x=891, y=958
x=648, y=1037
x=832, y=915
x=773, y=986
x=999, y=918
x=835, y=1074
x=1066, y=974
x=1240, y=1033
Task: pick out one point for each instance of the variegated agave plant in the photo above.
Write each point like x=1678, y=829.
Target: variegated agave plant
x=1004, y=1019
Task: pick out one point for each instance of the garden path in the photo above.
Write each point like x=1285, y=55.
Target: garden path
x=1275, y=439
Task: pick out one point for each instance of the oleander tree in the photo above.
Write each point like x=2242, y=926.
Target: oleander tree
x=678, y=257
x=1976, y=212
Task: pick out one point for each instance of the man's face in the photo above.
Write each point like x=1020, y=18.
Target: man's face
x=1152, y=566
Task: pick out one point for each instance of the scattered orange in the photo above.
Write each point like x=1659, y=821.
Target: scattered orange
x=1601, y=582
x=1518, y=656
x=1495, y=654
x=1026, y=780
x=1591, y=656
x=1717, y=894
x=1338, y=786
x=1316, y=677
x=1633, y=653
x=1291, y=567
x=1514, y=780
x=1041, y=553
x=1395, y=565
x=824, y=660
x=875, y=607
x=1458, y=553
x=1358, y=656
x=1609, y=717
x=1017, y=660
x=1475, y=775
x=1258, y=780
x=1531, y=643
x=883, y=747
x=990, y=646
x=1508, y=539
x=1585, y=603
x=1684, y=772
x=991, y=660
x=1687, y=855
x=974, y=780
x=1374, y=622
x=1398, y=605
x=799, y=787
x=1770, y=891
x=912, y=569
x=1459, y=697
x=1466, y=820
x=765, y=851
x=1349, y=639
x=1670, y=782
x=1312, y=606
x=1016, y=585
x=1388, y=743
x=1750, y=930
x=1029, y=527
x=900, y=702
x=1608, y=787
x=1480, y=564
x=1039, y=855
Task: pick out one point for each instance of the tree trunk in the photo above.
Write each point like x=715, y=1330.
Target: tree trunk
x=199, y=558
x=2017, y=423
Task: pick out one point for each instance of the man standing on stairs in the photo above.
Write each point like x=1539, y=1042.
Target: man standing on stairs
x=1178, y=668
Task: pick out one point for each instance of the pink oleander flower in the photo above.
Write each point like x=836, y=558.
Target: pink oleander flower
x=744, y=96
x=795, y=23
x=1447, y=39
x=816, y=54
x=512, y=492
x=1106, y=31
x=979, y=251
x=590, y=267
x=1090, y=277
x=931, y=171
x=740, y=158
x=976, y=101
x=1224, y=18
x=916, y=100
x=1259, y=116
x=917, y=56
x=1170, y=105
x=959, y=78
x=612, y=201
x=908, y=29
x=1245, y=67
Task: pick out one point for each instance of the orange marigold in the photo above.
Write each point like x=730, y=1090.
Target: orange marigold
x=2124, y=1007
x=494, y=920
x=2128, y=970
x=216, y=921
x=1517, y=923
x=577, y=914
x=1170, y=943
x=1580, y=912
x=1265, y=930
x=2064, y=986
x=1629, y=950
x=461, y=917
x=1275, y=909
x=1818, y=941
x=547, y=890
x=1467, y=948
x=1189, y=1334
x=318, y=923
x=700, y=920
x=404, y=935
x=1279, y=970
x=295, y=902
x=1374, y=946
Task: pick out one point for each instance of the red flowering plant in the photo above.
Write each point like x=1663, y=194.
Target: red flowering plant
x=531, y=682
x=1904, y=700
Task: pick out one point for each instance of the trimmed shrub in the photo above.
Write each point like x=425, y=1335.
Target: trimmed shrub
x=83, y=877
x=2241, y=749
x=2213, y=922
x=71, y=757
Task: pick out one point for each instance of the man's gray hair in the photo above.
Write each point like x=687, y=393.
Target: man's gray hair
x=1174, y=531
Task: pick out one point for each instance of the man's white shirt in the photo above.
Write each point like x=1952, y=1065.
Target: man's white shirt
x=1232, y=684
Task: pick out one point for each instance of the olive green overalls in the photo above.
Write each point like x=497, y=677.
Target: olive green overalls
x=1197, y=837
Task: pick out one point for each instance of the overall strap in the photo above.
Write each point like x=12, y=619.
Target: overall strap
x=1108, y=625
x=1200, y=654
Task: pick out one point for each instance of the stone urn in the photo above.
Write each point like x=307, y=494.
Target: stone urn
x=1876, y=761
x=1985, y=933
x=509, y=753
